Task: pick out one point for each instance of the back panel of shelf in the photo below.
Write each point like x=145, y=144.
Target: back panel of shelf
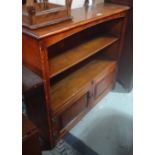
x=78, y=78
x=82, y=45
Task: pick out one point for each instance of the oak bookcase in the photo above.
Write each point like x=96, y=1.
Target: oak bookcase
x=77, y=62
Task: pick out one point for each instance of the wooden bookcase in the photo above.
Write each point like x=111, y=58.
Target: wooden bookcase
x=77, y=61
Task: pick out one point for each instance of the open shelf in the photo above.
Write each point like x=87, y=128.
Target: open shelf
x=71, y=57
x=69, y=86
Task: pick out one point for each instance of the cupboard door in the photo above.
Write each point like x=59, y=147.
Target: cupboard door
x=104, y=83
x=74, y=110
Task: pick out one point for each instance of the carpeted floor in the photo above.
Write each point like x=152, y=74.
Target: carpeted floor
x=62, y=148
x=105, y=130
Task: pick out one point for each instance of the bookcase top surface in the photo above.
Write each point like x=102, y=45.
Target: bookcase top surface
x=81, y=16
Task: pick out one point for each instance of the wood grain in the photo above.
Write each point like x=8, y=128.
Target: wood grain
x=41, y=14
x=66, y=89
x=71, y=57
x=78, y=68
x=30, y=138
x=81, y=16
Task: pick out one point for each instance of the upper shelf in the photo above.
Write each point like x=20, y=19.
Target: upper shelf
x=81, y=16
x=71, y=57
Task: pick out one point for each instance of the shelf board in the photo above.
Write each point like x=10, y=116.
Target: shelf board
x=67, y=88
x=71, y=57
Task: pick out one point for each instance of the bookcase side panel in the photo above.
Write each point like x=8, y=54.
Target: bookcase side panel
x=30, y=54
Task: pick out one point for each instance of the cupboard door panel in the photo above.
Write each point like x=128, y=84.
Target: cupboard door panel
x=102, y=84
x=73, y=111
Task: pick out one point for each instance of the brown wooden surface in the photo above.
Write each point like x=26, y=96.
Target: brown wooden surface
x=81, y=16
x=99, y=98
x=75, y=70
x=82, y=105
x=27, y=127
x=30, y=138
x=31, y=54
x=41, y=14
x=104, y=82
x=74, y=110
x=64, y=90
x=71, y=124
x=125, y=72
x=79, y=53
x=34, y=99
x=122, y=2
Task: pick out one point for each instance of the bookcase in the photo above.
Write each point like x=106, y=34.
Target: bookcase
x=77, y=62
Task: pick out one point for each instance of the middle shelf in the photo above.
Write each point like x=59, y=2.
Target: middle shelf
x=70, y=57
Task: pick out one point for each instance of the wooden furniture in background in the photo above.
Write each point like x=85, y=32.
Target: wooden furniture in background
x=30, y=138
x=77, y=61
x=34, y=99
x=125, y=70
x=42, y=13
